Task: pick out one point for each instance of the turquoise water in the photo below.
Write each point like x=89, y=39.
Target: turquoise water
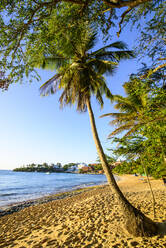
x=20, y=186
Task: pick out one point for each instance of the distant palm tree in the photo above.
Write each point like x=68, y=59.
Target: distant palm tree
x=80, y=76
x=133, y=108
x=132, y=118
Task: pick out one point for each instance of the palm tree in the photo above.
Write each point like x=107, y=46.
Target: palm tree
x=132, y=118
x=79, y=77
x=137, y=109
x=132, y=109
x=140, y=110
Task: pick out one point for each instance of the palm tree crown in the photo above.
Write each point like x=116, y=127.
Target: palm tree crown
x=80, y=73
x=132, y=108
x=138, y=109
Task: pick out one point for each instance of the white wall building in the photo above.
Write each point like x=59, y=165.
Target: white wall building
x=72, y=168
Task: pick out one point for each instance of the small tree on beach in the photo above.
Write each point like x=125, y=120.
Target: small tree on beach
x=133, y=147
x=80, y=76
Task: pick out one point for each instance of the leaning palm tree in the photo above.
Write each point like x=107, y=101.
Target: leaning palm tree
x=79, y=77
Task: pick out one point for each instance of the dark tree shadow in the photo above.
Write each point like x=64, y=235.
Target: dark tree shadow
x=162, y=228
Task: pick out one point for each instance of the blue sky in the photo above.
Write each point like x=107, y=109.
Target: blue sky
x=34, y=129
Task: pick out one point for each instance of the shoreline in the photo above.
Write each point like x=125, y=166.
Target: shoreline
x=17, y=206
x=89, y=219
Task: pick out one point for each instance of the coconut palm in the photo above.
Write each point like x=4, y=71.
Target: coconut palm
x=132, y=118
x=137, y=109
x=79, y=77
x=132, y=109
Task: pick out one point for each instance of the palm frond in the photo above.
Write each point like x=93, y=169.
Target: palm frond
x=91, y=41
x=50, y=86
x=119, y=116
x=107, y=92
x=99, y=98
x=117, y=45
x=80, y=73
x=103, y=66
x=124, y=128
x=123, y=121
x=125, y=107
x=52, y=62
x=115, y=56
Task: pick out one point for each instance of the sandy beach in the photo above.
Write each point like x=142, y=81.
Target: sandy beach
x=90, y=219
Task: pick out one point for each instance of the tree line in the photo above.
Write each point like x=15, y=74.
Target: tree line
x=45, y=167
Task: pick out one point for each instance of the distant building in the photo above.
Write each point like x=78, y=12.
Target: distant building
x=101, y=172
x=56, y=166
x=73, y=168
x=80, y=166
x=93, y=164
x=86, y=169
x=118, y=162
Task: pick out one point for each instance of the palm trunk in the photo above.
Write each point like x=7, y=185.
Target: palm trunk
x=150, y=186
x=136, y=223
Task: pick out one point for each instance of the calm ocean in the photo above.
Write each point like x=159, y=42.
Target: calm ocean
x=20, y=186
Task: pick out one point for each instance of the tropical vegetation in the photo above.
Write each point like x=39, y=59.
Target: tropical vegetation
x=141, y=120
x=24, y=29
x=45, y=167
x=57, y=35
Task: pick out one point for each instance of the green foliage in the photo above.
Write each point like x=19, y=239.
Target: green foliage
x=126, y=168
x=67, y=166
x=96, y=167
x=142, y=115
x=110, y=159
x=31, y=30
x=34, y=28
x=38, y=168
x=144, y=105
x=152, y=36
x=81, y=74
x=139, y=153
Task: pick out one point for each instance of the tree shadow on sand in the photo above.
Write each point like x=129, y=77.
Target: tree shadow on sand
x=161, y=228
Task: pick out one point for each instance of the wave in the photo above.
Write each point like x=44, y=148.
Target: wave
x=8, y=189
x=84, y=185
x=8, y=194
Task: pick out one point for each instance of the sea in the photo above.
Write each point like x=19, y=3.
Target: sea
x=16, y=187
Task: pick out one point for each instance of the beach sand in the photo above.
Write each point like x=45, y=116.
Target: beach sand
x=90, y=219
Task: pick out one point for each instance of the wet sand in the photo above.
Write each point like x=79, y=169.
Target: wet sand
x=89, y=219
